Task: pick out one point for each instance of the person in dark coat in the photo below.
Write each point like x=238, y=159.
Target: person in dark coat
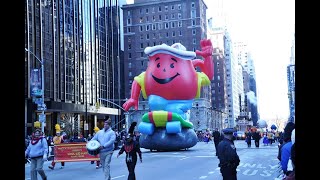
x=132, y=148
x=227, y=155
x=256, y=136
x=248, y=138
x=216, y=139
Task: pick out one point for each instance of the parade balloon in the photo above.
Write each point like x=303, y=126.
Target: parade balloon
x=262, y=123
x=170, y=84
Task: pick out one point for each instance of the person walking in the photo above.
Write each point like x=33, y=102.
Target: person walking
x=216, y=139
x=248, y=137
x=37, y=150
x=227, y=155
x=106, y=138
x=58, y=139
x=132, y=148
x=256, y=136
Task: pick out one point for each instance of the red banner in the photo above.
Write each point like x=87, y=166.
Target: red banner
x=67, y=152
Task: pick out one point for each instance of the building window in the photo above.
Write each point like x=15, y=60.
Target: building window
x=193, y=32
x=141, y=54
x=172, y=16
x=140, y=11
x=129, y=29
x=172, y=24
x=129, y=13
x=148, y=27
x=147, y=11
x=166, y=17
x=159, y=9
x=179, y=16
x=193, y=14
x=194, y=41
x=130, y=65
x=141, y=36
x=140, y=20
x=141, y=28
x=180, y=33
x=160, y=17
x=129, y=21
x=154, y=26
x=154, y=18
x=166, y=8
x=172, y=7
x=141, y=45
x=218, y=78
x=193, y=22
x=159, y=26
x=129, y=46
x=130, y=73
x=167, y=34
x=129, y=55
x=179, y=6
x=147, y=36
x=180, y=24
x=173, y=34
x=192, y=5
x=166, y=25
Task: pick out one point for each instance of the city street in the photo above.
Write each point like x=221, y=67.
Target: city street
x=198, y=162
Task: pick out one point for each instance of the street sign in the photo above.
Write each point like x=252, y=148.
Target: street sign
x=42, y=117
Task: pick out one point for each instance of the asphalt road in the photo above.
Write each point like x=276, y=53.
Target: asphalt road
x=196, y=163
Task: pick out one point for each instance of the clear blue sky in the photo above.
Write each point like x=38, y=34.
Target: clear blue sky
x=268, y=28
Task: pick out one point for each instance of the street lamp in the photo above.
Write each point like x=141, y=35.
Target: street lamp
x=125, y=112
x=42, y=87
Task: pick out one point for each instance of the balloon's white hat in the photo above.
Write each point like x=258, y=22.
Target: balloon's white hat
x=177, y=50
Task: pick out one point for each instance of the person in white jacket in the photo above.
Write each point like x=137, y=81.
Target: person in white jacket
x=38, y=153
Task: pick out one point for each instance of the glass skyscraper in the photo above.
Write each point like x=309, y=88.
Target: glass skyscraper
x=79, y=41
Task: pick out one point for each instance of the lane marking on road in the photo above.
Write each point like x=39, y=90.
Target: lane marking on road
x=163, y=155
x=205, y=156
x=203, y=177
x=184, y=158
x=118, y=177
x=211, y=172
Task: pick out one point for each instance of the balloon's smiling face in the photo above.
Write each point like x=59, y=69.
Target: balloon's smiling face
x=170, y=77
x=165, y=69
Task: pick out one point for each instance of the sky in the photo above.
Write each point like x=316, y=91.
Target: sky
x=267, y=26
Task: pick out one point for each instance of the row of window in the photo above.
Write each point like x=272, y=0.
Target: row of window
x=166, y=8
x=166, y=17
x=159, y=26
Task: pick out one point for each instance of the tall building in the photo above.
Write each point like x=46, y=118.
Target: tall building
x=291, y=82
x=234, y=81
x=219, y=96
x=79, y=44
x=153, y=22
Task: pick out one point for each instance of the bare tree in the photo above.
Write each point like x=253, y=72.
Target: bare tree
x=278, y=122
